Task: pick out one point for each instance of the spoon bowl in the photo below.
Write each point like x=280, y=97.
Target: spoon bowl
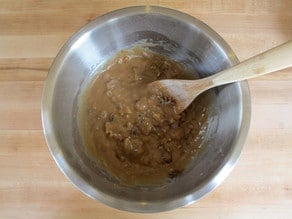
x=185, y=91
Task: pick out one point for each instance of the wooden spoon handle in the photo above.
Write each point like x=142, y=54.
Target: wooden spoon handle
x=272, y=60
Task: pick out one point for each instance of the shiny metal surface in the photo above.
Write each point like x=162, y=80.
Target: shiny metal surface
x=173, y=34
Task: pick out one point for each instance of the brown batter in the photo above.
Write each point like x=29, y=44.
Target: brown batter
x=133, y=132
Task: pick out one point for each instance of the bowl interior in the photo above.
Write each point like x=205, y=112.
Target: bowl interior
x=173, y=34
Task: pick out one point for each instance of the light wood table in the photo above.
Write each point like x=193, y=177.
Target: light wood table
x=32, y=186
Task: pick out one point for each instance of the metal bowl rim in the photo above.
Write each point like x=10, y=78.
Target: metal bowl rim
x=54, y=147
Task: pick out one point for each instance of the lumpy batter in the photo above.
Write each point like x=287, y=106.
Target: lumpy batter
x=133, y=132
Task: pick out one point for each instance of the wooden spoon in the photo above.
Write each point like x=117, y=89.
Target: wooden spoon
x=185, y=91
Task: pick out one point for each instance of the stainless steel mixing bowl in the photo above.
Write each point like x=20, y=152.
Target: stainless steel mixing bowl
x=173, y=34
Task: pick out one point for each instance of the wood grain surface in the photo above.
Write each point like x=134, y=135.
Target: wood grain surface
x=32, y=186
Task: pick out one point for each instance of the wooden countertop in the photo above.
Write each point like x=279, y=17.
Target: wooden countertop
x=32, y=186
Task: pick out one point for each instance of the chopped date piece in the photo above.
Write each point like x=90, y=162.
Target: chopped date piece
x=173, y=173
